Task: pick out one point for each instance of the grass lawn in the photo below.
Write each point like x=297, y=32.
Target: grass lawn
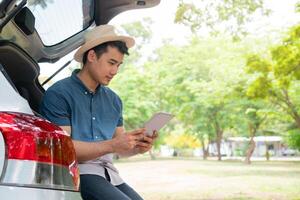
x=191, y=179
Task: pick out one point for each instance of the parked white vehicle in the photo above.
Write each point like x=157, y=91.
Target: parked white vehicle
x=289, y=152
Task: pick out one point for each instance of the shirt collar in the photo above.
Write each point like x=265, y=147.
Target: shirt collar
x=83, y=88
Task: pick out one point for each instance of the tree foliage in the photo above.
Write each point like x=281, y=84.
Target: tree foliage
x=277, y=78
x=205, y=85
x=218, y=16
x=294, y=138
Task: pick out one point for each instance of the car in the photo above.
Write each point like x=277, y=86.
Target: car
x=289, y=152
x=37, y=158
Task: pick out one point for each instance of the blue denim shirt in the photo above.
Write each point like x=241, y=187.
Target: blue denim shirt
x=92, y=116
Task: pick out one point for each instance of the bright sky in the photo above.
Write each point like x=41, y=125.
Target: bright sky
x=163, y=26
x=163, y=21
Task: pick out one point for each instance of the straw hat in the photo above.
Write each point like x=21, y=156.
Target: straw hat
x=99, y=35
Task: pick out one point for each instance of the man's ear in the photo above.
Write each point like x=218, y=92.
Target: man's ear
x=91, y=55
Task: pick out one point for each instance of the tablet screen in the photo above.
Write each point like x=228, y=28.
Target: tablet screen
x=157, y=121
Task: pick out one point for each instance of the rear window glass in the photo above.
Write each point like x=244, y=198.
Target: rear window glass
x=57, y=20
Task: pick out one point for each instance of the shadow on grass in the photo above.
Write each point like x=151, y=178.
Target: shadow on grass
x=247, y=172
x=143, y=158
x=230, y=168
x=286, y=169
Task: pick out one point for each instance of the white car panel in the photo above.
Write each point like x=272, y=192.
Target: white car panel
x=2, y=153
x=26, y=193
x=10, y=100
x=24, y=172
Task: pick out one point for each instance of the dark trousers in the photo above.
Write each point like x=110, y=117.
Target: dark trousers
x=93, y=187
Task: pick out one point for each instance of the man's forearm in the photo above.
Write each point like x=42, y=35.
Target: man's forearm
x=122, y=144
x=91, y=150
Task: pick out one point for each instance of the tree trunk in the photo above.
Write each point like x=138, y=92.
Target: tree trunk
x=250, y=150
x=152, y=156
x=267, y=152
x=294, y=114
x=219, y=133
x=219, y=140
x=252, y=131
x=205, y=151
x=292, y=108
x=297, y=119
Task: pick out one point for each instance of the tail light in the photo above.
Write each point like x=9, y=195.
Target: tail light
x=38, y=153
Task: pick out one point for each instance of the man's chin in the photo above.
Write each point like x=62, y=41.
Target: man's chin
x=105, y=83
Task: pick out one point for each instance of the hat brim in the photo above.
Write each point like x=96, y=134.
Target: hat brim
x=89, y=45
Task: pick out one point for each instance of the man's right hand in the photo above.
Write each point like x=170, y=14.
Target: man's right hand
x=122, y=143
x=126, y=142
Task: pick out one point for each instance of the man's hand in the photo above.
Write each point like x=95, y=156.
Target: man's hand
x=146, y=143
x=126, y=142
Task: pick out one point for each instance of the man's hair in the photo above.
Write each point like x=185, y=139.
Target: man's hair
x=102, y=48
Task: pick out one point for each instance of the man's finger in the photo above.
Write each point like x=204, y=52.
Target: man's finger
x=142, y=144
x=136, y=137
x=147, y=139
x=137, y=131
x=155, y=134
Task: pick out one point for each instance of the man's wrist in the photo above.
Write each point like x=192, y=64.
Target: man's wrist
x=108, y=146
x=112, y=145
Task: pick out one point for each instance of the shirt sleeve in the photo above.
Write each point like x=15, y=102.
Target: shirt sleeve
x=120, y=121
x=55, y=108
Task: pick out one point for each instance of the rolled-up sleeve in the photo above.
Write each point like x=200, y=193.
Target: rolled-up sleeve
x=55, y=108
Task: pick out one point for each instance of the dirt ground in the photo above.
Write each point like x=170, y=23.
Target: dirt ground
x=190, y=179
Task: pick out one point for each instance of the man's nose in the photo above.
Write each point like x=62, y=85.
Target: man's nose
x=114, y=70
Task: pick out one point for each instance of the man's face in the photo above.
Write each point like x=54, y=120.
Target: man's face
x=104, y=68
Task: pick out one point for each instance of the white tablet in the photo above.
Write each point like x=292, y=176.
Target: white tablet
x=157, y=121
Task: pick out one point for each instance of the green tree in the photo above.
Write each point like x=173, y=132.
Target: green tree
x=217, y=14
x=254, y=118
x=293, y=138
x=195, y=83
x=250, y=116
x=277, y=78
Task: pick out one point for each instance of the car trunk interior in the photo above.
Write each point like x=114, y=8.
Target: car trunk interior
x=21, y=47
x=23, y=72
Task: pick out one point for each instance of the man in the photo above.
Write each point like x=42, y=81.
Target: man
x=92, y=114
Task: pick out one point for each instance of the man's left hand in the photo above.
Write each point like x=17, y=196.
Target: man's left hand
x=146, y=143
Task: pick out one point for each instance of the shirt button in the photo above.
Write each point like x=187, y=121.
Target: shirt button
x=85, y=92
x=94, y=118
